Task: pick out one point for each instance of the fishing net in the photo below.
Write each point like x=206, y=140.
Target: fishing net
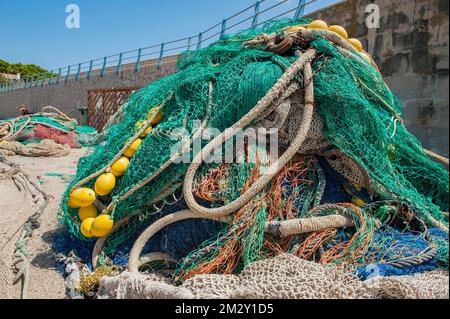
x=346, y=157
x=49, y=124
x=282, y=277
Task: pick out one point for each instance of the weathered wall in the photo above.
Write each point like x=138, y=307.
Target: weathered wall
x=69, y=96
x=411, y=50
x=410, y=47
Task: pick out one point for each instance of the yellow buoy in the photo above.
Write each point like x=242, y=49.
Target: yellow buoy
x=87, y=212
x=82, y=197
x=356, y=44
x=366, y=57
x=71, y=204
x=339, y=30
x=102, y=225
x=295, y=28
x=146, y=132
x=158, y=116
x=140, y=124
x=85, y=227
x=358, y=201
x=120, y=166
x=104, y=184
x=4, y=142
x=130, y=151
x=318, y=24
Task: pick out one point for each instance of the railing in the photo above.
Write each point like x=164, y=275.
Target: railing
x=253, y=16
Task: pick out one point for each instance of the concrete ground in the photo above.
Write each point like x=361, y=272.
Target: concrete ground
x=53, y=174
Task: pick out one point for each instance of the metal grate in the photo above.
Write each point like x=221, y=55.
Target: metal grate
x=103, y=103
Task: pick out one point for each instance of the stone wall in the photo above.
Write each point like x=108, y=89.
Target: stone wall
x=410, y=47
x=411, y=50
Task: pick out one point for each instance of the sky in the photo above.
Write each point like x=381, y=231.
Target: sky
x=35, y=31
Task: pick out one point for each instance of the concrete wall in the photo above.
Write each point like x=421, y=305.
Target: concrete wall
x=411, y=50
x=410, y=47
x=68, y=97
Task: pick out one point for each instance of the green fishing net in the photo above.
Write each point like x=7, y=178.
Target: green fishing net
x=361, y=117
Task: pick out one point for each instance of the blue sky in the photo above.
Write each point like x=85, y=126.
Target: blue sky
x=35, y=32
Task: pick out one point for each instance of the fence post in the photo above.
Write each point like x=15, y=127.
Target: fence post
x=43, y=79
x=256, y=14
x=38, y=77
x=224, y=28
x=102, y=72
x=77, y=77
x=161, y=54
x=31, y=82
x=59, y=76
x=67, y=75
x=119, y=64
x=199, y=42
x=189, y=43
x=137, y=66
x=50, y=79
x=90, y=70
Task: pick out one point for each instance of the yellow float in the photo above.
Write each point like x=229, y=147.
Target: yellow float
x=339, y=30
x=318, y=24
x=85, y=227
x=146, y=132
x=366, y=57
x=295, y=28
x=356, y=44
x=82, y=197
x=120, y=166
x=159, y=114
x=104, y=184
x=102, y=225
x=71, y=204
x=130, y=151
x=358, y=201
x=87, y=212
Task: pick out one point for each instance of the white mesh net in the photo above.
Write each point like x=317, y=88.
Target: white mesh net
x=283, y=277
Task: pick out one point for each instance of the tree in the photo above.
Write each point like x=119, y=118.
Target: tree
x=25, y=70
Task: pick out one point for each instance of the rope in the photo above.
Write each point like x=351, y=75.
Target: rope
x=133, y=263
x=437, y=157
x=41, y=200
x=119, y=154
x=284, y=228
x=158, y=256
x=185, y=148
x=302, y=62
x=411, y=261
x=307, y=225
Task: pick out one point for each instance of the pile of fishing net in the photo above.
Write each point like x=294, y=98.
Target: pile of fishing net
x=351, y=185
x=49, y=124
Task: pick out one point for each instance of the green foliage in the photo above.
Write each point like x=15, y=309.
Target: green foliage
x=25, y=70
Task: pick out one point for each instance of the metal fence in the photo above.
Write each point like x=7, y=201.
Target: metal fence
x=253, y=16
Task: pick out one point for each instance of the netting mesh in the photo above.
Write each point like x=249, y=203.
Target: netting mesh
x=50, y=123
x=357, y=154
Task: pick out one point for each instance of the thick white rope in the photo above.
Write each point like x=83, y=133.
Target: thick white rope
x=302, y=63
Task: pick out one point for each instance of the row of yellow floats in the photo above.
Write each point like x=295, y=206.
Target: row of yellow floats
x=92, y=224
x=339, y=30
